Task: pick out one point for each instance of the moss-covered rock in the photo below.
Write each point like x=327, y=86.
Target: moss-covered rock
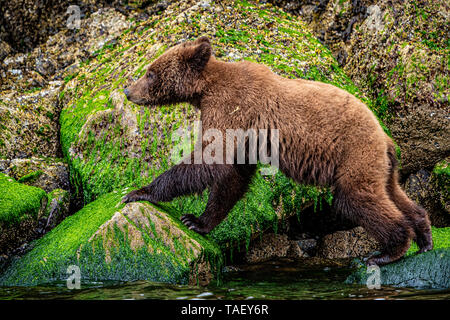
x=21, y=207
x=45, y=173
x=27, y=212
x=111, y=143
x=406, y=70
x=57, y=209
x=427, y=270
x=431, y=188
x=332, y=21
x=441, y=174
x=110, y=240
x=28, y=123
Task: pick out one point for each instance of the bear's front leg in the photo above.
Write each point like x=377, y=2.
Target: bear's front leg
x=182, y=179
x=230, y=185
x=143, y=194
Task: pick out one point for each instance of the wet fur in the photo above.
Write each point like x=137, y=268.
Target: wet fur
x=327, y=137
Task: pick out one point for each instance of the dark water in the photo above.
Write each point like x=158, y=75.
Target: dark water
x=271, y=280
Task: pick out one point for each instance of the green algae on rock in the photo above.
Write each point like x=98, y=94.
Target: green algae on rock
x=21, y=206
x=110, y=240
x=57, y=209
x=441, y=173
x=432, y=191
x=426, y=270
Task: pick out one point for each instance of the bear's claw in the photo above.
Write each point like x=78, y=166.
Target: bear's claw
x=193, y=223
x=137, y=195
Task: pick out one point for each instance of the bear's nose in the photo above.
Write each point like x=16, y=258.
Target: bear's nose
x=127, y=93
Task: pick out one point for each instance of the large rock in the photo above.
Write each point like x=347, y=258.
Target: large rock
x=27, y=212
x=273, y=246
x=432, y=191
x=110, y=240
x=441, y=173
x=406, y=71
x=60, y=55
x=347, y=244
x=46, y=173
x=21, y=207
x=29, y=125
x=427, y=270
x=28, y=23
x=332, y=21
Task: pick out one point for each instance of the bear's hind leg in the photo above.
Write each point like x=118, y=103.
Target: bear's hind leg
x=417, y=216
x=380, y=217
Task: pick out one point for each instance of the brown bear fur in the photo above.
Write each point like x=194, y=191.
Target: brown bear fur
x=327, y=137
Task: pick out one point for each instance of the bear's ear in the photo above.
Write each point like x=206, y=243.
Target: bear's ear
x=202, y=39
x=197, y=55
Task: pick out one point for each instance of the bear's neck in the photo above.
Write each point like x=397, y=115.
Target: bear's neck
x=215, y=78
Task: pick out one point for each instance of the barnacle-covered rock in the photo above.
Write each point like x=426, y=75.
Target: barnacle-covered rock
x=29, y=124
x=397, y=53
x=432, y=190
x=46, y=173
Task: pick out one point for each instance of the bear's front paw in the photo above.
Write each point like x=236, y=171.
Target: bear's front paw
x=193, y=223
x=136, y=195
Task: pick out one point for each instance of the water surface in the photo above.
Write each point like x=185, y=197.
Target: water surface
x=283, y=280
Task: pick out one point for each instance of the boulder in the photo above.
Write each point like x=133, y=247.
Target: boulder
x=21, y=207
x=396, y=52
x=57, y=210
x=273, y=246
x=28, y=23
x=108, y=240
x=29, y=124
x=59, y=57
x=429, y=270
x=333, y=21
x=441, y=173
x=27, y=212
x=405, y=70
x=46, y=173
x=431, y=190
x=347, y=244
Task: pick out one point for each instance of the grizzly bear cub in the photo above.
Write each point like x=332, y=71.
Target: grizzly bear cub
x=327, y=137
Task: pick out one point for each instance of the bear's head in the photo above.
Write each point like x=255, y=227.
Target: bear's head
x=174, y=77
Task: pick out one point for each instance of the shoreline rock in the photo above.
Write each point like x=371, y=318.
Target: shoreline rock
x=429, y=270
x=108, y=240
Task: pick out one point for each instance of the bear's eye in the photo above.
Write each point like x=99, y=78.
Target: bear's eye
x=151, y=75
